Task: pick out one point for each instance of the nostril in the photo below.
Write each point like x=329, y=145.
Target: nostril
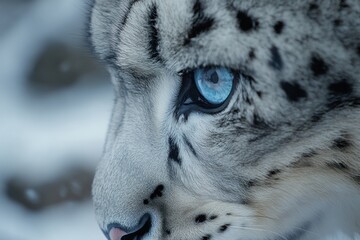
x=144, y=226
x=142, y=229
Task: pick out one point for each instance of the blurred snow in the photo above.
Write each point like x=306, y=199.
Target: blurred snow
x=42, y=136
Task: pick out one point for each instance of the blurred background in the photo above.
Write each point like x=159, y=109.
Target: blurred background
x=55, y=104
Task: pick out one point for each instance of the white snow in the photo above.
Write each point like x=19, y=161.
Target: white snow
x=42, y=136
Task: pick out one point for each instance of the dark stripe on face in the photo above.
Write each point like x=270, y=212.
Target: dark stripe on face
x=154, y=35
x=201, y=23
x=128, y=12
x=174, y=151
x=340, y=103
x=190, y=146
x=276, y=61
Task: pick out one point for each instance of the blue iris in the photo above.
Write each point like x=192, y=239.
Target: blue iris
x=214, y=83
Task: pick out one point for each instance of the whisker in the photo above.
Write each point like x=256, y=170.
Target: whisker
x=254, y=216
x=259, y=229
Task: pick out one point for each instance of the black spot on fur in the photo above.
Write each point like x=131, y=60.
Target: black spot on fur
x=246, y=22
x=313, y=6
x=251, y=183
x=201, y=23
x=340, y=88
x=146, y=201
x=154, y=35
x=318, y=66
x=206, y=237
x=276, y=61
x=316, y=118
x=158, y=192
x=337, y=22
x=213, y=217
x=252, y=54
x=294, y=91
x=343, y=4
x=245, y=201
x=273, y=172
x=174, y=151
x=190, y=146
x=258, y=122
x=341, y=143
x=309, y=154
x=111, y=59
x=338, y=165
x=224, y=227
x=356, y=178
x=168, y=232
x=200, y=218
x=259, y=93
x=279, y=27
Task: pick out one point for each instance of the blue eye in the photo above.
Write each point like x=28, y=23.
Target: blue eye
x=214, y=84
x=207, y=90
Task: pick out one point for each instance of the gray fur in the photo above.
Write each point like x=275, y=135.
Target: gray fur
x=285, y=109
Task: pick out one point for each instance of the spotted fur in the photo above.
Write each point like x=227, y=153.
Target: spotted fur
x=281, y=161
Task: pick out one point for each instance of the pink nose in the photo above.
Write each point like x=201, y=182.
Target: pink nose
x=116, y=234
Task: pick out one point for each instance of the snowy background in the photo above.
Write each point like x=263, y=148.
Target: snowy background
x=55, y=103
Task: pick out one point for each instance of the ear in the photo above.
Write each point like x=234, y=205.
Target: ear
x=106, y=18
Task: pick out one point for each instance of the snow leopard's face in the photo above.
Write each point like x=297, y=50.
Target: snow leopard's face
x=232, y=119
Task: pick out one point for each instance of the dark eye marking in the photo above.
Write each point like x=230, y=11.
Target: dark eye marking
x=174, y=151
x=200, y=24
x=190, y=146
x=154, y=35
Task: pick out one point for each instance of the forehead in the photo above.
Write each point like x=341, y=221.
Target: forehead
x=266, y=39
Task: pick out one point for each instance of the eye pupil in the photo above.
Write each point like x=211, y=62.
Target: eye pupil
x=214, y=78
x=214, y=84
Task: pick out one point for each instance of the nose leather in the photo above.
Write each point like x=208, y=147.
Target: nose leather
x=138, y=232
x=116, y=234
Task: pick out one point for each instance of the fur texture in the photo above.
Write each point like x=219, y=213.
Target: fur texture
x=280, y=161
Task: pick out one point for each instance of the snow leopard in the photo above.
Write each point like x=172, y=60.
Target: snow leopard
x=232, y=119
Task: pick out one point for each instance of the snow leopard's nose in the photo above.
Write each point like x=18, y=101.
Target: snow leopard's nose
x=117, y=232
